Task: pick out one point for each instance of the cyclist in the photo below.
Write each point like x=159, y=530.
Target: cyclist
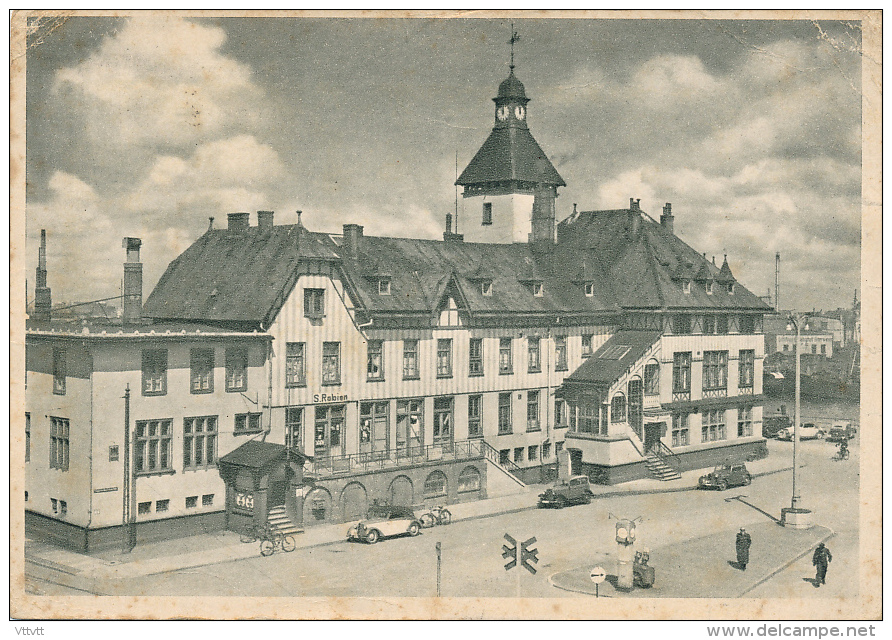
x=843, y=450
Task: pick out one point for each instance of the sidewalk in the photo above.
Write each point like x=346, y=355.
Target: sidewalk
x=775, y=548
x=99, y=573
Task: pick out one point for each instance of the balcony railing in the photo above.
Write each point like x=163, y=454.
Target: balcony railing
x=715, y=393
x=379, y=460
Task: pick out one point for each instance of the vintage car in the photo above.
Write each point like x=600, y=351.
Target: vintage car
x=573, y=491
x=841, y=433
x=773, y=424
x=726, y=475
x=384, y=521
x=807, y=431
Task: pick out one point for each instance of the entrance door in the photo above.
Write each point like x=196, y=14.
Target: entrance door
x=329, y=431
x=277, y=493
x=652, y=433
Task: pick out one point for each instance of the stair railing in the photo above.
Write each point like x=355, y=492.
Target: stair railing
x=492, y=455
x=667, y=456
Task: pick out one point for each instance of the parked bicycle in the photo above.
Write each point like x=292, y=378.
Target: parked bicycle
x=270, y=541
x=437, y=515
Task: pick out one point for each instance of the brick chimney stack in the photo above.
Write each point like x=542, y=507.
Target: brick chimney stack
x=43, y=300
x=667, y=219
x=132, y=311
x=352, y=238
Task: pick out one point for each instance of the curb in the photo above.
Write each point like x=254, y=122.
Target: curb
x=785, y=565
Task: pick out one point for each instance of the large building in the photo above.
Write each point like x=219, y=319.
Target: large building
x=323, y=371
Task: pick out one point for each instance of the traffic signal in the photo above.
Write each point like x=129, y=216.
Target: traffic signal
x=625, y=532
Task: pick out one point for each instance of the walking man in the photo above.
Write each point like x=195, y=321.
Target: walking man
x=821, y=560
x=743, y=548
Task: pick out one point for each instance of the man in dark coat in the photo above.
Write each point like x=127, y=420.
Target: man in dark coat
x=821, y=560
x=743, y=548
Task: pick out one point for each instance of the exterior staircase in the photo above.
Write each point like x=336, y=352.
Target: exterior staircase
x=659, y=470
x=279, y=522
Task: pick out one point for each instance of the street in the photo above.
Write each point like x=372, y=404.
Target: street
x=472, y=563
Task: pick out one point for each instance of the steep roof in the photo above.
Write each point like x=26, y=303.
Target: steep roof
x=510, y=153
x=245, y=277
x=614, y=358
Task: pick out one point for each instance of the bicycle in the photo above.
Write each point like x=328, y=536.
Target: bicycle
x=842, y=454
x=436, y=515
x=270, y=541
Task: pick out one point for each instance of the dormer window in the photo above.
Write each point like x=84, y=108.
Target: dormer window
x=730, y=288
x=686, y=286
x=589, y=289
x=709, y=287
x=384, y=286
x=537, y=289
x=486, y=287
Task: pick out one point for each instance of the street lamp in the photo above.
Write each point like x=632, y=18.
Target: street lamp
x=795, y=516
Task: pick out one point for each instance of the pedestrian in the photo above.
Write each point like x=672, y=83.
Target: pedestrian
x=821, y=560
x=743, y=548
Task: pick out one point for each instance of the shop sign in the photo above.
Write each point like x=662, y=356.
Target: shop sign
x=244, y=501
x=329, y=397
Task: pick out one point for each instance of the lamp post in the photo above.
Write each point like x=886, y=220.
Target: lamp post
x=795, y=516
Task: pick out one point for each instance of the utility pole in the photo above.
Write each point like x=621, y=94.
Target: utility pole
x=796, y=517
x=776, y=282
x=127, y=516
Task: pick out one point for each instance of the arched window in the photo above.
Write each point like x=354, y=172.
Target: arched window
x=469, y=480
x=618, y=408
x=435, y=485
x=652, y=379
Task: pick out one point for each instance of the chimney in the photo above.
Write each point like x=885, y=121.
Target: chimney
x=543, y=234
x=352, y=237
x=667, y=219
x=635, y=204
x=448, y=235
x=43, y=301
x=132, y=282
x=238, y=222
x=448, y=223
x=265, y=220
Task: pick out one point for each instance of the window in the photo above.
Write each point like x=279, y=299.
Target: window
x=152, y=446
x=487, y=214
x=504, y=413
x=709, y=324
x=59, y=371
x=680, y=437
x=162, y=505
x=410, y=359
x=207, y=500
x=533, y=410
x=589, y=289
x=486, y=288
x=823, y=349
x=191, y=502
x=586, y=416
x=444, y=358
x=375, y=360
x=681, y=373
x=55, y=504
x=442, y=420
x=374, y=426
x=475, y=357
x=618, y=408
x=814, y=348
x=201, y=373
x=635, y=390
x=295, y=364
x=786, y=347
x=409, y=426
x=469, y=480
x=682, y=323
x=686, y=286
x=546, y=451
x=652, y=379
x=504, y=456
x=113, y=453
x=314, y=303
x=730, y=288
x=59, y=443
x=475, y=416
x=713, y=426
x=294, y=432
x=533, y=453
x=744, y=422
x=506, y=361
x=199, y=442
x=435, y=485
x=144, y=507
x=709, y=287
x=587, y=339
x=384, y=287
x=559, y=413
x=27, y=437
x=518, y=454
x=538, y=290
x=747, y=366
x=331, y=363
x=237, y=369
x=247, y=423
x=560, y=353
x=721, y=324
x=534, y=363
x=747, y=324
x=154, y=372
x=558, y=447
x=715, y=370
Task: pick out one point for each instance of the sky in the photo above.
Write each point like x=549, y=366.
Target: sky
x=147, y=127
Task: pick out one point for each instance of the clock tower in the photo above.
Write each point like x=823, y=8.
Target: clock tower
x=510, y=186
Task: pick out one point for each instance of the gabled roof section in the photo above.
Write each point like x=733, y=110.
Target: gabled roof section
x=257, y=455
x=510, y=154
x=614, y=358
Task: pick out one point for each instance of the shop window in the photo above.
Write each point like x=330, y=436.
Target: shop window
x=152, y=446
x=59, y=443
x=295, y=364
x=199, y=442
x=201, y=370
x=236, y=370
x=314, y=303
x=154, y=372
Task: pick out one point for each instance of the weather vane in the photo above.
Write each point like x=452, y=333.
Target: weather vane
x=514, y=38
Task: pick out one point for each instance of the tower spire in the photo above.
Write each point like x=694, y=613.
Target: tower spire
x=514, y=38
